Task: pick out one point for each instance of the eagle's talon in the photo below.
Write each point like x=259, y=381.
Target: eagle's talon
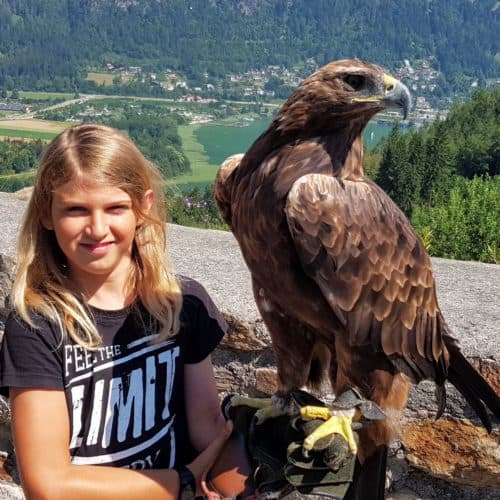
x=336, y=424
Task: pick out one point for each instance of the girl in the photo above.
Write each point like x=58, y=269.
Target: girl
x=106, y=355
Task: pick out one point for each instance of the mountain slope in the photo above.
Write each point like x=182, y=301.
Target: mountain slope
x=218, y=36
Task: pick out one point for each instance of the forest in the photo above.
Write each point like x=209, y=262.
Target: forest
x=446, y=178
x=49, y=45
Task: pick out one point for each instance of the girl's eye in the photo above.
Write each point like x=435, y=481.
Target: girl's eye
x=118, y=209
x=354, y=81
x=75, y=210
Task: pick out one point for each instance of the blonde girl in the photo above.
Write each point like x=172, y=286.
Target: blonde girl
x=106, y=355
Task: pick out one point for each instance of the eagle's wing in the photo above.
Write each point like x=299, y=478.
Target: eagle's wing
x=223, y=185
x=371, y=267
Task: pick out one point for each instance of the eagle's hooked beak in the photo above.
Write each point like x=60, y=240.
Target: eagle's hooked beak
x=395, y=94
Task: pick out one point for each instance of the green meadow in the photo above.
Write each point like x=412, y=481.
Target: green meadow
x=106, y=79
x=45, y=96
x=203, y=172
x=208, y=145
x=27, y=134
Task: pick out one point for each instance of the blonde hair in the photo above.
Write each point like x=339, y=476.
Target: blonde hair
x=40, y=286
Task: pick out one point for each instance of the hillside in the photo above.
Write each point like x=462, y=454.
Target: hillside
x=52, y=46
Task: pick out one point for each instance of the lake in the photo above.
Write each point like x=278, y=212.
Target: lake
x=208, y=145
x=221, y=141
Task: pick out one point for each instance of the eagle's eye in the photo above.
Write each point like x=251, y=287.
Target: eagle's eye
x=354, y=81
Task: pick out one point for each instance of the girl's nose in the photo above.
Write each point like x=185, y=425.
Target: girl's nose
x=97, y=228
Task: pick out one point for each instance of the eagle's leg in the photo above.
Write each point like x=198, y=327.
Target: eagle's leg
x=301, y=360
x=377, y=380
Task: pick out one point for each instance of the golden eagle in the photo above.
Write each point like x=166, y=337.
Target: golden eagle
x=340, y=277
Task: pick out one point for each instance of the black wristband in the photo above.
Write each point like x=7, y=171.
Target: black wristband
x=187, y=483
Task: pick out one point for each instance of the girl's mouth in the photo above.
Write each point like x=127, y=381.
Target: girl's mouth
x=97, y=248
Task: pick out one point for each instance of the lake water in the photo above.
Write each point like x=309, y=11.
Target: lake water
x=221, y=141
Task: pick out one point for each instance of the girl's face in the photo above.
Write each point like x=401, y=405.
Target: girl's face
x=95, y=227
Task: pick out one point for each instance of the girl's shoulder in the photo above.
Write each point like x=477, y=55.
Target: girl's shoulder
x=40, y=331
x=192, y=288
x=31, y=355
x=38, y=324
x=197, y=301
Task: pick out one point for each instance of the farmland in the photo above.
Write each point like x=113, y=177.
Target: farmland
x=31, y=129
x=45, y=96
x=106, y=79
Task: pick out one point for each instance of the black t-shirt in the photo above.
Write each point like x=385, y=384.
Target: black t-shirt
x=126, y=398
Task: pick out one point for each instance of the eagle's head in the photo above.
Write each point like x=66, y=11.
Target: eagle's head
x=342, y=93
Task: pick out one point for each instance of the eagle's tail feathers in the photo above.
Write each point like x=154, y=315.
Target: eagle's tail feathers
x=441, y=400
x=370, y=477
x=478, y=393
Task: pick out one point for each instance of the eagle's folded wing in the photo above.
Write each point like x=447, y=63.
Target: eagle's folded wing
x=372, y=269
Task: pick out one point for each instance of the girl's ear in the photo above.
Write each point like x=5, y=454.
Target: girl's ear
x=146, y=203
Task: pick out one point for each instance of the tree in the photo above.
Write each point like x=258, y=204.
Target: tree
x=466, y=225
x=396, y=175
x=438, y=168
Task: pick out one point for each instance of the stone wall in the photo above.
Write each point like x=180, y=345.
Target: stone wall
x=451, y=458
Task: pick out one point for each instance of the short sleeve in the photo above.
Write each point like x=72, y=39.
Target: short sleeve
x=203, y=326
x=30, y=357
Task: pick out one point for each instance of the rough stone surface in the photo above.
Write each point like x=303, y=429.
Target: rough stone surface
x=266, y=381
x=454, y=449
x=6, y=273
x=10, y=491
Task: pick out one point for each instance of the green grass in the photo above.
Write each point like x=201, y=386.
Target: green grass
x=203, y=173
x=26, y=134
x=44, y=96
x=101, y=78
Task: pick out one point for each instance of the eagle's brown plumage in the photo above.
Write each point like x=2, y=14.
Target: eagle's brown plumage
x=340, y=277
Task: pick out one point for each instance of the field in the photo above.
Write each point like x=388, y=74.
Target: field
x=106, y=79
x=31, y=129
x=203, y=172
x=25, y=134
x=45, y=96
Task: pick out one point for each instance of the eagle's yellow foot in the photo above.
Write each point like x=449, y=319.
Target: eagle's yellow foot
x=336, y=422
x=265, y=407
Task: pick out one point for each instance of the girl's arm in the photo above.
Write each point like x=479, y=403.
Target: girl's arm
x=204, y=416
x=41, y=430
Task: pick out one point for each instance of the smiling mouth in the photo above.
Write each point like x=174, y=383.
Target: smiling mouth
x=97, y=248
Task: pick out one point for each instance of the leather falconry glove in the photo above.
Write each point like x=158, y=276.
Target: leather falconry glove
x=271, y=459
